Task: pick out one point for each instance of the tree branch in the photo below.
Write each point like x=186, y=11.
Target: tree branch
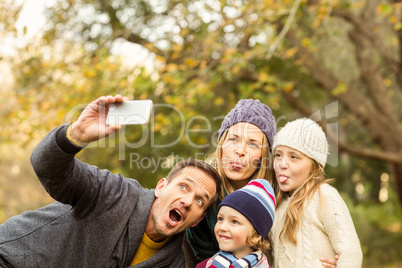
x=375, y=40
x=355, y=151
x=285, y=29
x=382, y=131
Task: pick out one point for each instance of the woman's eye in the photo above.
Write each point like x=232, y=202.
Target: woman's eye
x=220, y=219
x=235, y=222
x=277, y=155
x=294, y=157
x=183, y=187
x=254, y=145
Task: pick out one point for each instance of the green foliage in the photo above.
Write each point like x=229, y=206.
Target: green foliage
x=379, y=227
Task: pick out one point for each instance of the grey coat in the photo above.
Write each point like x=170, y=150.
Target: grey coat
x=98, y=221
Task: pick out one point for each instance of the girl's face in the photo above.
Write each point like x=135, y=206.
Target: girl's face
x=241, y=153
x=232, y=230
x=292, y=168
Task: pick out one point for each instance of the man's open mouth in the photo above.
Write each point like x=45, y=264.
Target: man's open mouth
x=175, y=216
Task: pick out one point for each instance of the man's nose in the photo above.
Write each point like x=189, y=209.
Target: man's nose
x=187, y=200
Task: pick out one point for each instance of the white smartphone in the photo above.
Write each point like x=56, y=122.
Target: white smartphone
x=136, y=112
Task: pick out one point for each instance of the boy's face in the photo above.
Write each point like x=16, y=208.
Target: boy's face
x=232, y=230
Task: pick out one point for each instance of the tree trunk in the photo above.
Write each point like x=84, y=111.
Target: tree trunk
x=397, y=173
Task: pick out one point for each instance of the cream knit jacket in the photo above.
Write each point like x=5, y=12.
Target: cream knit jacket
x=326, y=229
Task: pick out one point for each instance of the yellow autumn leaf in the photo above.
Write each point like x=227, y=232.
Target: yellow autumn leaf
x=306, y=42
x=218, y=101
x=90, y=73
x=288, y=87
x=160, y=58
x=290, y=52
x=191, y=62
x=387, y=82
x=339, y=89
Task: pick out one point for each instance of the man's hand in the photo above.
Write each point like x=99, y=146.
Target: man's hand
x=91, y=124
x=329, y=262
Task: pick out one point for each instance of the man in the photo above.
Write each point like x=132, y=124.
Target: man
x=103, y=219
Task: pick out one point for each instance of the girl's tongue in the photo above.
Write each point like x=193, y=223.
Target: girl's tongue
x=283, y=178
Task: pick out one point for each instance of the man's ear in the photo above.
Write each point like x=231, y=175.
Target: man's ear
x=159, y=187
x=203, y=215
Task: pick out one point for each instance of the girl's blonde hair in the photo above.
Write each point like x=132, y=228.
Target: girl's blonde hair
x=262, y=171
x=300, y=199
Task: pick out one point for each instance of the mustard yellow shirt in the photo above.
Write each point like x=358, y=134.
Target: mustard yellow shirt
x=147, y=249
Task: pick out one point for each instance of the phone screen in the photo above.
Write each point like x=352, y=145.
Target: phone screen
x=135, y=112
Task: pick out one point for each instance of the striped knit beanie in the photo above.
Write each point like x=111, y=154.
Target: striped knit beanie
x=253, y=112
x=306, y=136
x=255, y=201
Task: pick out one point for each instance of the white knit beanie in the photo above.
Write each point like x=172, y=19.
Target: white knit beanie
x=306, y=136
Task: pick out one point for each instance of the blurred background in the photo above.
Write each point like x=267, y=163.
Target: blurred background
x=336, y=61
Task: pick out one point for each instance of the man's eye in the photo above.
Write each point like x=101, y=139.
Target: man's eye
x=200, y=202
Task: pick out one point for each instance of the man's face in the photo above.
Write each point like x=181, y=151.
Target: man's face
x=180, y=203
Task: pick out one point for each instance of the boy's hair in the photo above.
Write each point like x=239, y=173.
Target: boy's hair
x=256, y=244
x=181, y=167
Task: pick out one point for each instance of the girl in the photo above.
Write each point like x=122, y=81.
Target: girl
x=245, y=218
x=312, y=220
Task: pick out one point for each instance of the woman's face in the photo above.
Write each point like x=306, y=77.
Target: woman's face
x=241, y=153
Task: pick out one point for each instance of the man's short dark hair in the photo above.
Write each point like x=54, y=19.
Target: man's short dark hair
x=204, y=167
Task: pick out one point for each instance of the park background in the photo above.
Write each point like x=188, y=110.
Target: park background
x=336, y=61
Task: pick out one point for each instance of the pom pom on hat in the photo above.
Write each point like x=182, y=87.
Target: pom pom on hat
x=254, y=112
x=255, y=201
x=306, y=136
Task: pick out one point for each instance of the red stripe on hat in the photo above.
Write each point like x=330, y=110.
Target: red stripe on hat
x=259, y=185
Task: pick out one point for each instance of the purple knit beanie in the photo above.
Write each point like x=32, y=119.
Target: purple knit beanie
x=253, y=112
x=255, y=201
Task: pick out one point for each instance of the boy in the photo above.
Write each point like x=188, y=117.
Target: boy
x=245, y=218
